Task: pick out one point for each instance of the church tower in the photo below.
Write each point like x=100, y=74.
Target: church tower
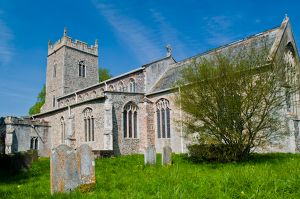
x=71, y=65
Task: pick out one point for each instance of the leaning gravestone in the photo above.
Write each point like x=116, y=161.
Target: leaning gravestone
x=64, y=175
x=85, y=157
x=166, y=158
x=150, y=155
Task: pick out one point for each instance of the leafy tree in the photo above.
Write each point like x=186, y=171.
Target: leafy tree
x=235, y=100
x=104, y=74
x=36, y=108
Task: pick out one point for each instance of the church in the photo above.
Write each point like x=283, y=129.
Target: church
x=129, y=112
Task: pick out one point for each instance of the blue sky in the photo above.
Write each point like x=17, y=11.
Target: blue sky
x=130, y=33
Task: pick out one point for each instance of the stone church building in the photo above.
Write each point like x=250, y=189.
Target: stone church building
x=131, y=111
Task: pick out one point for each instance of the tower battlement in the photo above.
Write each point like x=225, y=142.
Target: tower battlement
x=76, y=44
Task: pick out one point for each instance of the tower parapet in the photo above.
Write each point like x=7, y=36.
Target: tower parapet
x=71, y=65
x=76, y=44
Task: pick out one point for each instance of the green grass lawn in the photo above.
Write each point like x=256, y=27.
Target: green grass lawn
x=262, y=176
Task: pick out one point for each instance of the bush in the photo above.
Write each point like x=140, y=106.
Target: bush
x=21, y=161
x=214, y=153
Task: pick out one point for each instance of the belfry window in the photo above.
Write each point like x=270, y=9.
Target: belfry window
x=81, y=69
x=63, y=130
x=89, y=125
x=132, y=86
x=163, y=119
x=130, y=121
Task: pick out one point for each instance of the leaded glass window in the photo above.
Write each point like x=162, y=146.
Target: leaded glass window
x=130, y=119
x=89, y=125
x=163, y=119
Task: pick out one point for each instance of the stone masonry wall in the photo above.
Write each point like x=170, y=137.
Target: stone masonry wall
x=19, y=131
x=177, y=142
x=123, y=145
x=54, y=85
x=98, y=90
x=72, y=81
x=155, y=70
x=78, y=131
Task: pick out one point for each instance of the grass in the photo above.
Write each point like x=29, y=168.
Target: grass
x=262, y=176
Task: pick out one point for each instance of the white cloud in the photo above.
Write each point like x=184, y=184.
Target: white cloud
x=6, y=49
x=170, y=35
x=218, y=30
x=136, y=36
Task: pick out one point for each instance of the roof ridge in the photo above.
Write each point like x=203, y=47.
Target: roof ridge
x=230, y=44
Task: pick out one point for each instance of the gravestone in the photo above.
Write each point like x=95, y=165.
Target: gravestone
x=166, y=158
x=86, y=162
x=150, y=155
x=64, y=174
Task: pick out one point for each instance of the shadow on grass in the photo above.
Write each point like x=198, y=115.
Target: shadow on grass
x=10, y=176
x=254, y=158
x=263, y=158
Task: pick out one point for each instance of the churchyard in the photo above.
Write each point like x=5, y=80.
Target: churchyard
x=261, y=176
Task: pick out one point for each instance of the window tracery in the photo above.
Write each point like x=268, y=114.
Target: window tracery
x=163, y=119
x=130, y=120
x=89, y=125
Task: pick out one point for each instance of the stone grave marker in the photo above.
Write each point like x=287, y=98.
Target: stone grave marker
x=166, y=158
x=64, y=175
x=86, y=162
x=150, y=156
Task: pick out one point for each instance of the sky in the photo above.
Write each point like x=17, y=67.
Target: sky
x=130, y=33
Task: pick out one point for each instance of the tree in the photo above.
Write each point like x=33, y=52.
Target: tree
x=235, y=100
x=36, y=108
x=104, y=74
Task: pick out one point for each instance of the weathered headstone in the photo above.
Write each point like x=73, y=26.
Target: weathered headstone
x=64, y=175
x=150, y=155
x=86, y=162
x=166, y=158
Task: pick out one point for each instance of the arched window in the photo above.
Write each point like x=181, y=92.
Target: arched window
x=130, y=120
x=63, y=130
x=163, y=118
x=131, y=85
x=290, y=77
x=89, y=125
x=81, y=69
x=111, y=88
x=34, y=143
x=121, y=86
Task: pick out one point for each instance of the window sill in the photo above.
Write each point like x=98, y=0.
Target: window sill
x=131, y=138
x=87, y=142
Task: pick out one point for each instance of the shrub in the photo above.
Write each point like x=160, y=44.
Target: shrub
x=214, y=153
